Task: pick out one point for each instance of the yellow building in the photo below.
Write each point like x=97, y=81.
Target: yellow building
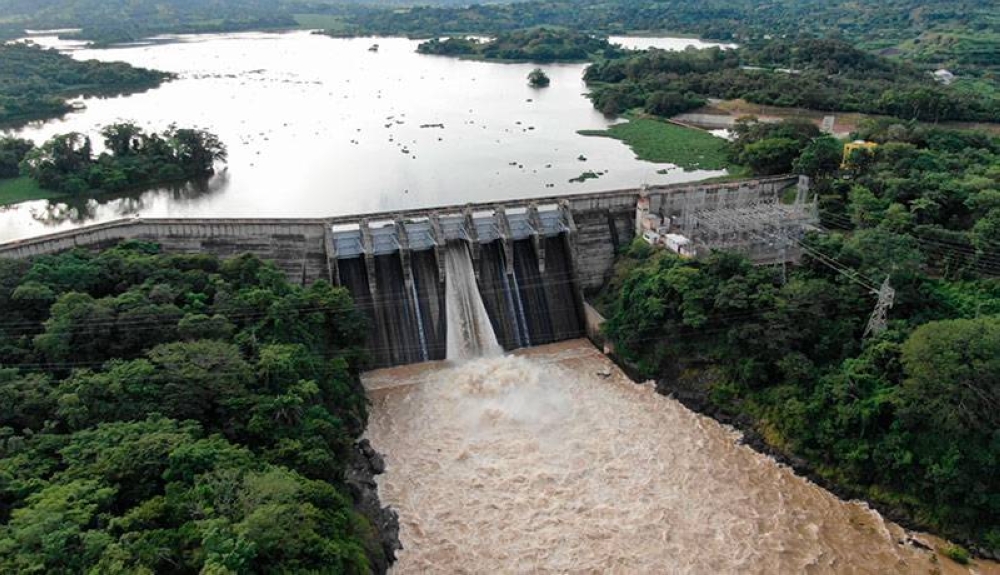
x=850, y=148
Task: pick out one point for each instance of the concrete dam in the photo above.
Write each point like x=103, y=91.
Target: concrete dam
x=532, y=259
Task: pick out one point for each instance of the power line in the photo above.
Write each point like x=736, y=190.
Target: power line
x=984, y=262
x=144, y=320
x=556, y=336
x=542, y=281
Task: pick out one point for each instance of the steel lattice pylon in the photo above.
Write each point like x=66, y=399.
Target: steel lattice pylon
x=879, y=318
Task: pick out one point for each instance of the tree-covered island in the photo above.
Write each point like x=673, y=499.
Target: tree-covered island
x=531, y=45
x=36, y=83
x=132, y=159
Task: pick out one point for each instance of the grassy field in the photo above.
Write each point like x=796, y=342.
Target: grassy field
x=662, y=142
x=16, y=190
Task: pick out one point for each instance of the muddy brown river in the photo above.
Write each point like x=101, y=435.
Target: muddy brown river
x=552, y=461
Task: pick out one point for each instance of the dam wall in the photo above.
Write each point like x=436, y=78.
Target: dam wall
x=533, y=259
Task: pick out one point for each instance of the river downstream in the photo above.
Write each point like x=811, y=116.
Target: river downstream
x=552, y=461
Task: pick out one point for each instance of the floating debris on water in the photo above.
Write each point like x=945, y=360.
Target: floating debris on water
x=585, y=176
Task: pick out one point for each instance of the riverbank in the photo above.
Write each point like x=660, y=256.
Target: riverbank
x=363, y=466
x=24, y=189
x=692, y=386
x=720, y=114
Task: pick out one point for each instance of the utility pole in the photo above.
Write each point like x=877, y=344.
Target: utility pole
x=878, y=321
x=784, y=240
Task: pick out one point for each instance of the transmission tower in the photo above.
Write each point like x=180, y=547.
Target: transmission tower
x=751, y=222
x=878, y=321
x=721, y=225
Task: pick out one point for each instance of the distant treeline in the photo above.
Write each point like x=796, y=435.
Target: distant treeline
x=132, y=159
x=809, y=73
x=965, y=34
x=534, y=45
x=109, y=21
x=35, y=82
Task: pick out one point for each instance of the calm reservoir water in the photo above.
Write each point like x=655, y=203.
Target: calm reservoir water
x=318, y=126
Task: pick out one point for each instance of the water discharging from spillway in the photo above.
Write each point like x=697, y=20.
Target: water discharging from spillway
x=551, y=461
x=469, y=332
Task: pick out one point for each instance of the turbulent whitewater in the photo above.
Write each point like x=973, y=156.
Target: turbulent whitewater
x=469, y=332
x=553, y=462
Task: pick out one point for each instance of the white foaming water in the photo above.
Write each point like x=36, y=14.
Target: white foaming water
x=539, y=464
x=470, y=334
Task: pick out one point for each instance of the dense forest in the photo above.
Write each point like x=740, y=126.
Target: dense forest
x=177, y=414
x=534, y=45
x=108, y=21
x=907, y=418
x=35, y=83
x=132, y=159
x=807, y=73
x=963, y=35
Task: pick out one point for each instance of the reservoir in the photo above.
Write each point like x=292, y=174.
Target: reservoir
x=318, y=126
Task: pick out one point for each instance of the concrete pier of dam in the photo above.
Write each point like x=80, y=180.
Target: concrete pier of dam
x=533, y=258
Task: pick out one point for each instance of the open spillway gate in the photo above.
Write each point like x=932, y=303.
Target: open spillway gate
x=523, y=262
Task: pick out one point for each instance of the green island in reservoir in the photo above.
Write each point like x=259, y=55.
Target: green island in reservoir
x=37, y=83
x=66, y=165
x=656, y=140
x=531, y=45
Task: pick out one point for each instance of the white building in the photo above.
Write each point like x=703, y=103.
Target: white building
x=679, y=244
x=944, y=76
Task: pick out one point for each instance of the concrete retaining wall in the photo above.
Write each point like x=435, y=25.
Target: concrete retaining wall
x=298, y=247
x=593, y=321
